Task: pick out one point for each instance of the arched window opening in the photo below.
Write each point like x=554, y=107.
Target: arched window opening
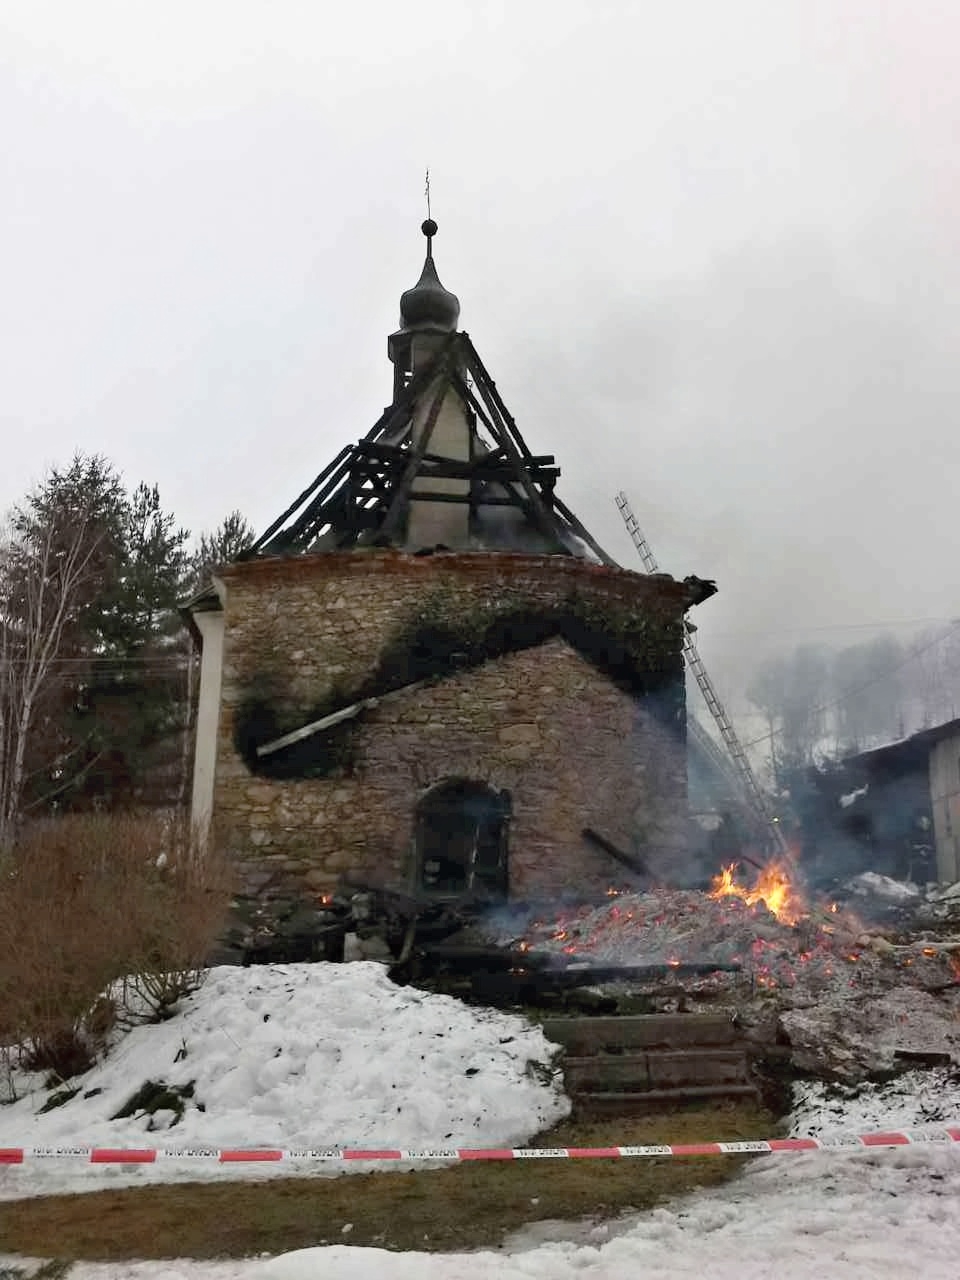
x=462, y=840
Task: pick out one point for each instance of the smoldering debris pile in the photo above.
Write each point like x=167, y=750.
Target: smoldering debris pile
x=849, y=999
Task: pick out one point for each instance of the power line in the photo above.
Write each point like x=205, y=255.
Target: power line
x=849, y=693
x=831, y=626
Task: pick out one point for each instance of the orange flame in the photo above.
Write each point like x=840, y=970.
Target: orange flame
x=773, y=888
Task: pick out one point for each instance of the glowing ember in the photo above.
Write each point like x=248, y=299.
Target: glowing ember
x=773, y=888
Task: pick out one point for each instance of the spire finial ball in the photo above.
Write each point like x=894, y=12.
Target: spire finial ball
x=428, y=227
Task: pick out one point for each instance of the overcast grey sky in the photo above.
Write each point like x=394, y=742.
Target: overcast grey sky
x=707, y=250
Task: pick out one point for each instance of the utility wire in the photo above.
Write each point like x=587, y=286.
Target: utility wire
x=849, y=693
x=829, y=627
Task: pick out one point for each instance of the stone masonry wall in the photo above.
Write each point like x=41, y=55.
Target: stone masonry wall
x=573, y=749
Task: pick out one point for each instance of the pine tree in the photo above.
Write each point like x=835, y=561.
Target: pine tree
x=232, y=537
x=132, y=708
x=106, y=726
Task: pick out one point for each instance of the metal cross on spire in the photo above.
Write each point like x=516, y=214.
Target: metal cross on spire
x=426, y=192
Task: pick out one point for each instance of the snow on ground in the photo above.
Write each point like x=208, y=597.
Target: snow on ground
x=872, y=1214
x=870, y=883
x=852, y=1215
x=309, y=1055
x=911, y=1101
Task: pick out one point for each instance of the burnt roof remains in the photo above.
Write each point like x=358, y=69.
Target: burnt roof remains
x=366, y=495
x=362, y=497
x=908, y=755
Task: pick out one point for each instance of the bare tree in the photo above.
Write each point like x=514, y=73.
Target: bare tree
x=45, y=570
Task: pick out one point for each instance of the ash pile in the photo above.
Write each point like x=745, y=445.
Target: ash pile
x=846, y=990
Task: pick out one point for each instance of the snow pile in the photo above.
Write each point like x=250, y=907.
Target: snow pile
x=853, y=796
x=903, y=893
x=308, y=1055
x=914, y=1099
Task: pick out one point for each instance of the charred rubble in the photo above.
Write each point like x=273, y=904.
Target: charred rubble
x=846, y=990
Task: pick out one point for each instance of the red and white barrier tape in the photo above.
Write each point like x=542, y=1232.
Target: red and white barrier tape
x=257, y=1155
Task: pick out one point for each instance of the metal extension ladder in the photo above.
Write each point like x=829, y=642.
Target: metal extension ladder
x=728, y=734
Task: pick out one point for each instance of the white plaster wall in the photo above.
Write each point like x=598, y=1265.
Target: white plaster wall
x=442, y=522
x=945, y=798
x=211, y=627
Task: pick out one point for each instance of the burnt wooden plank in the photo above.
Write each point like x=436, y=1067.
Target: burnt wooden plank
x=642, y=1101
x=644, y=1030
x=478, y=500
x=312, y=517
x=482, y=376
x=606, y=1071
x=495, y=460
x=542, y=515
x=655, y=1069
x=334, y=475
x=582, y=533
x=414, y=459
x=298, y=502
x=633, y=862
x=669, y=1068
x=530, y=977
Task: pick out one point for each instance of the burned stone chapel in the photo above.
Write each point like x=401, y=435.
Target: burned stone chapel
x=428, y=676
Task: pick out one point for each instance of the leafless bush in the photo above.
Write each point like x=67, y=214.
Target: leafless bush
x=101, y=917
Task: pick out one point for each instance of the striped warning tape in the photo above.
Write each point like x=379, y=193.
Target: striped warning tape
x=254, y=1155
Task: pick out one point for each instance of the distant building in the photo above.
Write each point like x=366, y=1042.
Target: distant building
x=905, y=799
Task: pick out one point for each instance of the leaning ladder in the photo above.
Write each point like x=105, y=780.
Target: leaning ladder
x=710, y=696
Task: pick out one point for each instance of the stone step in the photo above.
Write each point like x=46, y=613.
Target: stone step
x=583, y=1036
x=626, y=1104
x=655, y=1068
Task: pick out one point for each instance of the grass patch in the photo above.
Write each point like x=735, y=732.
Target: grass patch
x=462, y=1207
x=54, y=1269
x=57, y=1100
x=153, y=1096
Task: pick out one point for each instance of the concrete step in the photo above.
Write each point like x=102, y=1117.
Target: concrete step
x=655, y=1068
x=583, y=1036
x=626, y=1104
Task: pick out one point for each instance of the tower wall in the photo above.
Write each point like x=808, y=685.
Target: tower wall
x=573, y=746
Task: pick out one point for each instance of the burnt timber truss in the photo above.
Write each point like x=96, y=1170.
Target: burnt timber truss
x=362, y=497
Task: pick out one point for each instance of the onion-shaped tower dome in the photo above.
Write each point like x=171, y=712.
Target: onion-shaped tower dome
x=428, y=305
